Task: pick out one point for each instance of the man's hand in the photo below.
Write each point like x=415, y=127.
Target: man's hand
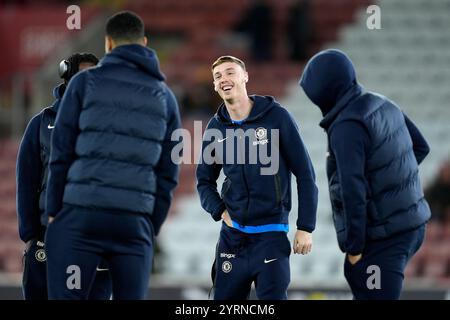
x=227, y=219
x=302, y=242
x=50, y=219
x=354, y=259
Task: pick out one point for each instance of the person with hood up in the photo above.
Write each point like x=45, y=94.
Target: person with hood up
x=374, y=151
x=32, y=173
x=254, y=203
x=111, y=175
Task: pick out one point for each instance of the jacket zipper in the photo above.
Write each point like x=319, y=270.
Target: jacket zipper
x=245, y=215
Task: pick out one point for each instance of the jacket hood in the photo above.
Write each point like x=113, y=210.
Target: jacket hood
x=327, y=77
x=58, y=93
x=139, y=56
x=261, y=105
x=349, y=96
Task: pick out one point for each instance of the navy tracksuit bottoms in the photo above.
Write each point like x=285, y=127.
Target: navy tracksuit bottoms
x=380, y=272
x=242, y=258
x=79, y=238
x=34, y=280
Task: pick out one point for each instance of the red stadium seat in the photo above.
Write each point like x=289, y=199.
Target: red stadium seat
x=190, y=17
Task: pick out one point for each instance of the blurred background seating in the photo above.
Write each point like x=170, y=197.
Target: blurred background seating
x=408, y=60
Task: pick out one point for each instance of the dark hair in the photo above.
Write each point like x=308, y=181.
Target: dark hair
x=69, y=67
x=224, y=59
x=125, y=26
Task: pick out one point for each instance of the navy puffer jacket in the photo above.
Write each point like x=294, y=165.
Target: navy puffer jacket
x=111, y=143
x=374, y=152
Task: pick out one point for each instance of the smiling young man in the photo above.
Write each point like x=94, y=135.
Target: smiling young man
x=254, y=203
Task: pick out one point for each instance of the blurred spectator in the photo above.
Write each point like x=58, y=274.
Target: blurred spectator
x=198, y=101
x=205, y=102
x=257, y=23
x=299, y=29
x=438, y=194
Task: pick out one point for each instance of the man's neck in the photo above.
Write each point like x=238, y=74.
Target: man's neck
x=239, y=109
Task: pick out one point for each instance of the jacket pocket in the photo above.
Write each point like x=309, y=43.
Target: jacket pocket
x=276, y=178
x=335, y=197
x=340, y=221
x=225, y=187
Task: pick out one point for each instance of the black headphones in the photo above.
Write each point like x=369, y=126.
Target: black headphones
x=70, y=66
x=65, y=69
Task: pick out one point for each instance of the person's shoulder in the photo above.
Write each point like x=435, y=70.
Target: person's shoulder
x=167, y=90
x=280, y=112
x=375, y=98
x=373, y=103
x=348, y=125
x=277, y=107
x=80, y=78
x=36, y=119
x=171, y=99
x=349, y=130
x=33, y=127
x=213, y=122
x=94, y=70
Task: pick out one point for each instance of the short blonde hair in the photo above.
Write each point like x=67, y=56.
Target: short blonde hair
x=224, y=59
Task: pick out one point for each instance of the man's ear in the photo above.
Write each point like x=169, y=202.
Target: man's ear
x=109, y=44
x=145, y=41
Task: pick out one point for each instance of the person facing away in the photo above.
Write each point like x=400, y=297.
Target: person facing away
x=32, y=173
x=299, y=29
x=374, y=151
x=257, y=23
x=111, y=175
x=254, y=204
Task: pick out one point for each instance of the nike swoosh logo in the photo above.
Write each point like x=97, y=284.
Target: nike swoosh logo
x=269, y=261
x=222, y=140
x=100, y=269
x=50, y=126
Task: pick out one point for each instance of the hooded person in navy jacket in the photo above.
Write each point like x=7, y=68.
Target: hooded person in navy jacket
x=111, y=173
x=374, y=151
x=255, y=199
x=32, y=173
